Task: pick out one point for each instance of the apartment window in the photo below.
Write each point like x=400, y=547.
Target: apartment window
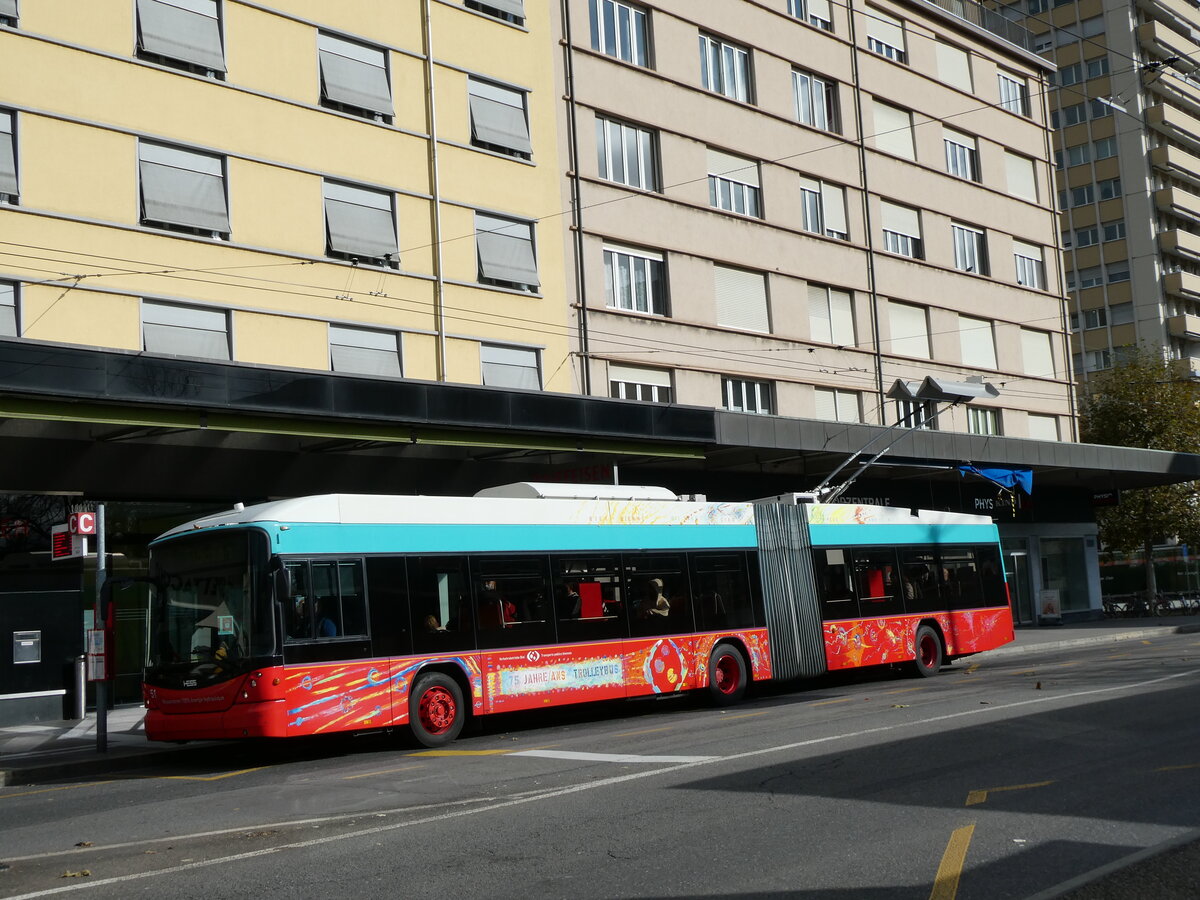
x=1065, y=237
x=1118, y=271
x=1092, y=276
x=954, y=66
x=354, y=78
x=1042, y=42
x=8, y=309
x=744, y=395
x=1069, y=75
x=1038, y=6
x=983, y=421
x=182, y=190
x=733, y=183
x=1041, y=428
x=815, y=100
x=498, y=119
x=185, y=330
x=1114, y=231
x=1037, y=354
x=910, y=329
x=634, y=280
x=637, y=383
x=1121, y=313
x=621, y=30
x=1073, y=114
x=1080, y=196
x=510, y=367
x=824, y=208
x=1021, y=176
x=901, y=230
x=1094, y=360
x=833, y=405
x=814, y=12
x=1091, y=27
x=505, y=252
x=917, y=414
x=1086, y=237
x=181, y=33
x=1077, y=155
x=1014, y=93
x=970, y=249
x=962, y=155
x=1097, y=67
x=831, y=315
x=8, y=13
x=1094, y=318
x=1028, y=258
x=9, y=188
x=741, y=299
x=626, y=154
x=360, y=224
x=1099, y=109
x=1105, y=148
x=885, y=35
x=364, y=351
x=1109, y=188
x=893, y=130
x=725, y=68
x=512, y=11
x=977, y=342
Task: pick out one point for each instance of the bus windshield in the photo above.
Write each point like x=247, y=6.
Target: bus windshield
x=210, y=616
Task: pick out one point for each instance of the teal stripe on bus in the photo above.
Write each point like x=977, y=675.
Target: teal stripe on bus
x=425, y=538
x=887, y=535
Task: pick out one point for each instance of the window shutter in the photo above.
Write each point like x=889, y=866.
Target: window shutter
x=833, y=202
x=181, y=188
x=363, y=351
x=509, y=367
x=639, y=375
x=841, y=312
x=893, y=130
x=820, y=322
x=186, y=30
x=498, y=117
x=977, y=342
x=354, y=74
x=1042, y=428
x=1022, y=180
x=900, y=219
x=8, y=8
x=826, y=404
x=185, y=330
x=8, y=155
x=885, y=28
x=820, y=9
x=512, y=7
x=741, y=299
x=505, y=250
x=8, y=310
x=359, y=222
x=910, y=329
x=1037, y=353
x=732, y=168
x=954, y=66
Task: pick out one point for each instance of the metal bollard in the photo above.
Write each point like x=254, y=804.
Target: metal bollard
x=80, y=709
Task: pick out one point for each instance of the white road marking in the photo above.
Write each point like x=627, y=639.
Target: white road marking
x=610, y=757
x=591, y=785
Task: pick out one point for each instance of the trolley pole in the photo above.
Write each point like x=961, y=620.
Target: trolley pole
x=102, y=612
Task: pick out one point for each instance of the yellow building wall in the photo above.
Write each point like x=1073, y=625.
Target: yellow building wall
x=60, y=312
x=419, y=355
x=77, y=169
x=280, y=341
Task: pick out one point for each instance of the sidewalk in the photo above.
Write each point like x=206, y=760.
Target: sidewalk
x=47, y=751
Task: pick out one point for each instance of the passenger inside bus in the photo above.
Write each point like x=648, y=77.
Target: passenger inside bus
x=655, y=604
x=327, y=625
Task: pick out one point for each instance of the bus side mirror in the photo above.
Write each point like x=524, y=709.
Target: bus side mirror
x=281, y=579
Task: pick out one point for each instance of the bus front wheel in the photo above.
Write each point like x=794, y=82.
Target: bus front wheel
x=928, y=647
x=726, y=675
x=435, y=709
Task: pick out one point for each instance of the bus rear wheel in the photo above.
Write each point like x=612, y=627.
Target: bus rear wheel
x=435, y=709
x=928, y=647
x=726, y=675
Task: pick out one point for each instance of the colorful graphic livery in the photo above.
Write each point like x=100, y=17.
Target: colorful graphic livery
x=353, y=612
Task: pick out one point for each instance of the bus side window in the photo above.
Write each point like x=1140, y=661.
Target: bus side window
x=588, y=601
x=297, y=612
x=991, y=573
x=354, y=600
x=961, y=578
x=834, y=587
x=387, y=596
x=439, y=604
x=512, y=606
x=875, y=575
x=327, y=611
x=721, y=591
x=918, y=575
x=659, y=591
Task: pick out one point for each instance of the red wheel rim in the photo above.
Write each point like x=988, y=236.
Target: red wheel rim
x=929, y=650
x=726, y=674
x=437, y=710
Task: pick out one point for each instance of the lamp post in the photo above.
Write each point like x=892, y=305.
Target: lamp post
x=934, y=390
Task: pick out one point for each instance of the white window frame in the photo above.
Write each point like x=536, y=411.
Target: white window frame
x=635, y=280
x=638, y=383
x=970, y=248
x=982, y=420
x=725, y=69
x=621, y=30
x=885, y=35
x=747, y=395
x=962, y=154
x=1114, y=230
x=815, y=100
x=735, y=186
x=615, y=140
x=810, y=11
x=823, y=208
x=919, y=415
x=1030, y=269
x=1014, y=93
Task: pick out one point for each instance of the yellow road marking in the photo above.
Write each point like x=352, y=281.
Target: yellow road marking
x=1066, y=664
x=971, y=669
x=463, y=752
x=206, y=777
x=747, y=715
x=644, y=731
x=1119, y=656
x=976, y=797
x=65, y=787
x=945, y=883
x=1177, y=768
x=842, y=700
x=381, y=772
x=1147, y=643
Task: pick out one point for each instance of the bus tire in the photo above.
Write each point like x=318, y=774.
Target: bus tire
x=928, y=647
x=727, y=675
x=435, y=709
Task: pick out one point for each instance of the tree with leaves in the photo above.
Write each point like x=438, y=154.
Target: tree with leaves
x=1151, y=402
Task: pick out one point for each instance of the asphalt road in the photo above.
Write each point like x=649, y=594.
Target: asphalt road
x=998, y=779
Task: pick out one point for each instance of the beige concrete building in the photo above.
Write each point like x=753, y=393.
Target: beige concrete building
x=784, y=207
x=361, y=197
x=1126, y=108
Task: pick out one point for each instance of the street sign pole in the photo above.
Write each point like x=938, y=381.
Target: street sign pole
x=102, y=622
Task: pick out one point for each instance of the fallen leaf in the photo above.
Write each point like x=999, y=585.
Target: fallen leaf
x=84, y=844
x=82, y=873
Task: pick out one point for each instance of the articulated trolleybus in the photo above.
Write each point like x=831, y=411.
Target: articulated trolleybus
x=352, y=612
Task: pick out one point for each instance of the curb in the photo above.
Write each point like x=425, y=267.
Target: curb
x=1103, y=638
